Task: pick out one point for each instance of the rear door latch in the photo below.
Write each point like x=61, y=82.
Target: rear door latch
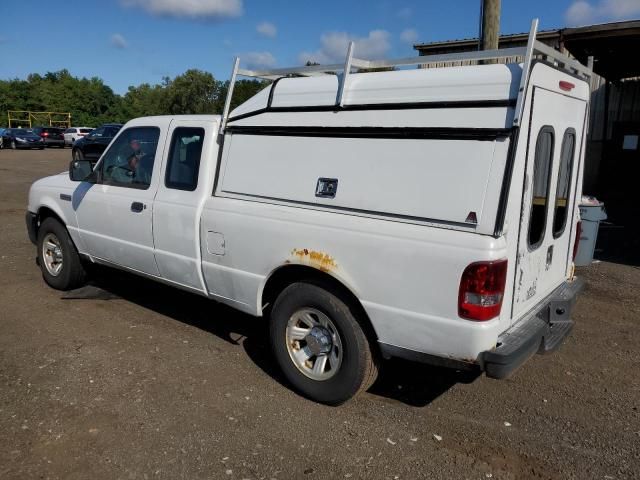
x=327, y=187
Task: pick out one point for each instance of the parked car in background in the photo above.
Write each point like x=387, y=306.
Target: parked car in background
x=52, y=136
x=21, y=138
x=92, y=145
x=74, y=133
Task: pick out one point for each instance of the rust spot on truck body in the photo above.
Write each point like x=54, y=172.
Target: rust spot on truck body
x=320, y=260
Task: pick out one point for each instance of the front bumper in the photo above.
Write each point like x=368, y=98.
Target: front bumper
x=32, y=226
x=29, y=144
x=543, y=331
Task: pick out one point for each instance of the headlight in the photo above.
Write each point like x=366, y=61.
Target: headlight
x=20, y=139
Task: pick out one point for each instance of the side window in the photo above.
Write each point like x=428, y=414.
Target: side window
x=564, y=182
x=110, y=132
x=540, y=190
x=130, y=158
x=184, y=159
x=97, y=132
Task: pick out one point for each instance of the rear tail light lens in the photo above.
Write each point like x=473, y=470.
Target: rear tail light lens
x=566, y=86
x=482, y=290
x=577, y=241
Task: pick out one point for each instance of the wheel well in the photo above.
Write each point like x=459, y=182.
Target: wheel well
x=46, y=212
x=288, y=274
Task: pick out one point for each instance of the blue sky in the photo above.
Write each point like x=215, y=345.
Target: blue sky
x=128, y=42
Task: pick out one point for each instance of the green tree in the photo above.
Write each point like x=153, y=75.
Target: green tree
x=91, y=102
x=192, y=92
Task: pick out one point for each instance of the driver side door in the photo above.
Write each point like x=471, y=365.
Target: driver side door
x=114, y=214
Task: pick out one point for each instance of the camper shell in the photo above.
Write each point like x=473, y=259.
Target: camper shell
x=423, y=213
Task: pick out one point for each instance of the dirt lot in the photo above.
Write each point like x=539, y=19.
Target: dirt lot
x=142, y=381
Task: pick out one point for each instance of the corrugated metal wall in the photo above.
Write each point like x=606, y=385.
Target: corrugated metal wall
x=624, y=106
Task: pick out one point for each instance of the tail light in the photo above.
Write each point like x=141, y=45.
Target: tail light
x=482, y=290
x=44, y=134
x=566, y=86
x=577, y=241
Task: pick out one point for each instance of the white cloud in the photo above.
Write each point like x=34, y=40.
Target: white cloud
x=409, y=35
x=118, y=41
x=583, y=12
x=258, y=59
x=333, y=47
x=196, y=9
x=267, y=29
x=405, y=13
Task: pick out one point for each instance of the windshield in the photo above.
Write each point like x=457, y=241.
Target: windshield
x=85, y=130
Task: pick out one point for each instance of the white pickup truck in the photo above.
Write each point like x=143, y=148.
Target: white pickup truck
x=425, y=213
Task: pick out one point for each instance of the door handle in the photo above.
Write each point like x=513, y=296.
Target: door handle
x=137, y=207
x=549, y=256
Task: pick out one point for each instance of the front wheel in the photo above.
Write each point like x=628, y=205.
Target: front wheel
x=77, y=155
x=58, y=258
x=320, y=345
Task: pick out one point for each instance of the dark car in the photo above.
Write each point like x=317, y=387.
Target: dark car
x=21, y=138
x=52, y=136
x=91, y=146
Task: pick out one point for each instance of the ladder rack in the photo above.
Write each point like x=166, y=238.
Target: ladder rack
x=532, y=49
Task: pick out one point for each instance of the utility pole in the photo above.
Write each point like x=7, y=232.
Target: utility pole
x=489, y=25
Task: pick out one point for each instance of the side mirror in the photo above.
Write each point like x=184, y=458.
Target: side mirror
x=80, y=170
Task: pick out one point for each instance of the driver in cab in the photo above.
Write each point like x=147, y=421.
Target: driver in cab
x=134, y=171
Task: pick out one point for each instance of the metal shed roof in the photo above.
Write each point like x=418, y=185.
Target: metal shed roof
x=613, y=46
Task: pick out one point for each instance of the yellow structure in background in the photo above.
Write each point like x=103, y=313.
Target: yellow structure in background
x=24, y=118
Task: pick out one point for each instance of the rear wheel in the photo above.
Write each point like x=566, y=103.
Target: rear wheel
x=58, y=258
x=320, y=345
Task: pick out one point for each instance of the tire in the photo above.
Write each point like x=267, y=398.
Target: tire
x=58, y=258
x=350, y=366
x=76, y=154
x=13, y=145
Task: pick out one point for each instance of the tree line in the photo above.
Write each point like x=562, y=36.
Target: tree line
x=92, y=103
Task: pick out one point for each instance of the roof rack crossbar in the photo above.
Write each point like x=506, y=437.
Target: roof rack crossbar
x=375, y=64
x=560, y=57
x=448, y=57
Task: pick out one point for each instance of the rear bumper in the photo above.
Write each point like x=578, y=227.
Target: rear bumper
x=543, y=331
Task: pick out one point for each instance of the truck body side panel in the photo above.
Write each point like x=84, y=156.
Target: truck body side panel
x=405, y=275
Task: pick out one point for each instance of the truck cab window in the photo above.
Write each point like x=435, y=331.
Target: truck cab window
x=564, y=182
x=129, y=160
x=184, y=158
x=540, y=190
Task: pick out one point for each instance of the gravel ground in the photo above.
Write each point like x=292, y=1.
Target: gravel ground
x=138, y=380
